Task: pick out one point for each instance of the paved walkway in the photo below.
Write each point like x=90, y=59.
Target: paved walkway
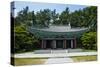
x=58, y=60
x=32, y=55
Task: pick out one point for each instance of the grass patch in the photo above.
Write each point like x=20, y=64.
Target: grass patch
x=23, y=52
x=85, y=50
x=84, y=58
x=27, y=61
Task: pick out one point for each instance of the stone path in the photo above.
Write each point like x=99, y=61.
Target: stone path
x=58, y=60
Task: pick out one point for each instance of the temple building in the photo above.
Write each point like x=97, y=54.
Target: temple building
x=58, y=36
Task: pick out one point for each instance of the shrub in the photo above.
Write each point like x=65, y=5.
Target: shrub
x=89, y=40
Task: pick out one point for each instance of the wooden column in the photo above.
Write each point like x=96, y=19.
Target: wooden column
x=72, y=44
x=54, y=44
x=64, y=44
x=75, y=43
x=42, y=45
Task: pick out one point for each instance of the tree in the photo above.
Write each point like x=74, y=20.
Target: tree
x=24, y=17
x=54, y=17
x=24, y=41
x=33, y=18
x=89, y=40
x=86, y=17
x=64, y=17
x=43, y=17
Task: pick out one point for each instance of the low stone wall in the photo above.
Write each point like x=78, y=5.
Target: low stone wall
x=32, y=55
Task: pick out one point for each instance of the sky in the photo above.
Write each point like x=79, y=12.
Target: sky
x=36, y=6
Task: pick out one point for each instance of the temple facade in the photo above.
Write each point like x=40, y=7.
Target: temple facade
x=58, y=37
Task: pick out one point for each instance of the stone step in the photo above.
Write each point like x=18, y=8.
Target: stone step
x=58, y=51
x=42, y=51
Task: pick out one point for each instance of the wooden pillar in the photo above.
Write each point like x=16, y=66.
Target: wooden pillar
x=72, y=44
x=54, y=44
x=64, y=44
x=42, y=45
x=75, y=43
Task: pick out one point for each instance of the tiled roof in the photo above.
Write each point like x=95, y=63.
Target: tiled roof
x=60, y=29
x=57, y=32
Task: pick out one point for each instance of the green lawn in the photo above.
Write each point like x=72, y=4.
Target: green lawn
x=27, y=61
x=85, y=50
x=84, y=58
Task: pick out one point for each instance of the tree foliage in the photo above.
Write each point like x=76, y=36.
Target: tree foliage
x=64, y=17
x=86, y=17
x=89, y=40
x=24, y=41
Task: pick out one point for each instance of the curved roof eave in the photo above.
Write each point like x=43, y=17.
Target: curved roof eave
x=61, y=30
x=53, y=34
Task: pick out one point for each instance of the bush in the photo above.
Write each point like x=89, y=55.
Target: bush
x=89, y=40
x=24, y=41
